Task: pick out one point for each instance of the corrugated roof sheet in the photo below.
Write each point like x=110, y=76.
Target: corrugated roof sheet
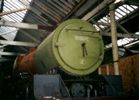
x=11, y=5
x=45, y=12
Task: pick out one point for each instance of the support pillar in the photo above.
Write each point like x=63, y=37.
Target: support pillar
x=114, y=39
x=107, y=70
x=99, y=71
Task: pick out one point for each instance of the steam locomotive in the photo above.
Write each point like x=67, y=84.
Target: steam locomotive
x=74, y=50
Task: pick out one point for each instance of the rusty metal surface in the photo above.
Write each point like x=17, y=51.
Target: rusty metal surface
x=26, y=63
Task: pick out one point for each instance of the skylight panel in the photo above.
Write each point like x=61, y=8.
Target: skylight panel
x=8, y=18
x=129, y=7
x=119, y=15
x=135, y=7
x=18, y=4
x=124, y=9
x=121, y=42
x=10, y=35
x=13, y=18
x=101, y=26
x=121, y=12
x=116, y=17
x=15, y=15
x=102, y=20
x=124, y=41
x=105, y=18
x=9, y=6
x=97, y=28
x=8, y=32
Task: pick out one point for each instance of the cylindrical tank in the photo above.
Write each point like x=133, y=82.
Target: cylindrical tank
x=74, y=46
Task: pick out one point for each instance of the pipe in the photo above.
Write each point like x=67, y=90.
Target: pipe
x=114, y=39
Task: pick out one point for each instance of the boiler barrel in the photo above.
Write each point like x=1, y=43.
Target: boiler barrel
x=74, y=46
